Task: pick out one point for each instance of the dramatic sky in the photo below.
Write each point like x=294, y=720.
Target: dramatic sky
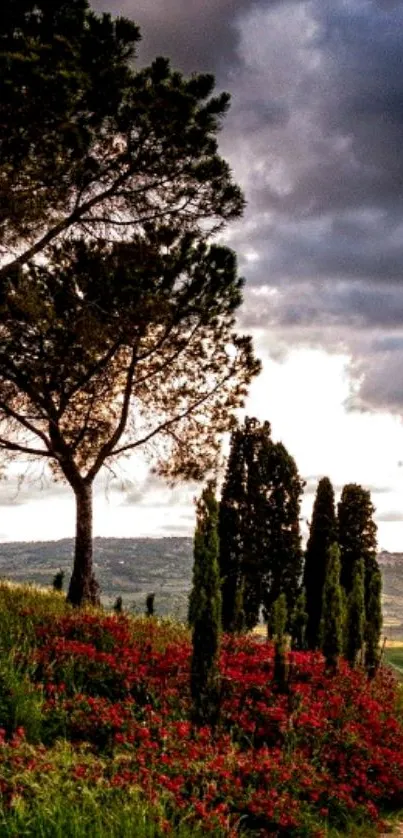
x=315, y=138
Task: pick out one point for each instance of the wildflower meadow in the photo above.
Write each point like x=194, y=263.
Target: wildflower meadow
x=96, y=737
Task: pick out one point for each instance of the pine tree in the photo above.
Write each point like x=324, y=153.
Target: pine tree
x=205, y=612
x=322, y=534
x=118, y=305
x=331, y=626
x=355, y=622
x=373, y=620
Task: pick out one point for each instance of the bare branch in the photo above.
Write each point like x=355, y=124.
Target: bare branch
x=22, y=420
x=105, y=449
x=6, y=445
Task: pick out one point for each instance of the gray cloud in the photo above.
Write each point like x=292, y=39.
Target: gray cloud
x=153, y=492
x=311, y=485
x=390, y=517
x=197, y=36
x=314, y=137
x=18, y=492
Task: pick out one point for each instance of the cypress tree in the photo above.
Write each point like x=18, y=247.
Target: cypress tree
x=278, y=623
x=355, y=615
x=232, y=520
x=322, y=533
x=356, y=533
x=260, y=543
x=357, y=538
x=331, y=627
x=277, y=538
x=299, y=621
x=373, y=620
x=205, y=612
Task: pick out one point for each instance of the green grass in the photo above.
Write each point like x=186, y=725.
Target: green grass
x=394, y=657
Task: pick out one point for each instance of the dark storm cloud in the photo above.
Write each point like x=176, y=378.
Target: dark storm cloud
x=195, y=35
x=314, y=136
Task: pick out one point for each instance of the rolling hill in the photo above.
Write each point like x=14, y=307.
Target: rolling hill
x=133, y=567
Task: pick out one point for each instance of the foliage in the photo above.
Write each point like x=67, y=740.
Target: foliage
x=331, y=629
x=355, y=623
x=205, y=612
x=118, y=313
x=260, y=545
x=322, y=533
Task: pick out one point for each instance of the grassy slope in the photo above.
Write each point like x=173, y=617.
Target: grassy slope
x=54, y=804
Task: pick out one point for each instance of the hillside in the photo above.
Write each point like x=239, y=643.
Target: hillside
x=134, y=567
x=126, y=567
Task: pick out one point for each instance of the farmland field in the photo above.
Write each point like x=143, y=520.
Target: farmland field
x=394, y=656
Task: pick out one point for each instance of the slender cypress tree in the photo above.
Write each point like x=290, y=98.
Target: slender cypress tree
x=205, y=612
x=356, y=532
x=373, y=620
x=357, y=539
x=277, y=539
x=232, y=519
x=331, y=628
x=299, y=621
x=279, y=622
x=354, y=640
x=322, y=533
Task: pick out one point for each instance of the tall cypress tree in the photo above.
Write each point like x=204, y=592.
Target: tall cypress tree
x=331, y=626
x=322, y=533
x=279, y=622
x=260, y=544
x=298, y=623
x=205, y=612
x=373, y=617
x=356, y=533
x=357, y=539
x=354, y=640
x=232, y=514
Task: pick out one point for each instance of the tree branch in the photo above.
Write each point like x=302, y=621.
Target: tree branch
x=108, y=446
x=165, y=425
x=22, y=420
x=7, y=445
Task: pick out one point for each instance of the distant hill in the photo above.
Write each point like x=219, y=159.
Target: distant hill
x=391, y=565
x=126, y=567
x=133, y=567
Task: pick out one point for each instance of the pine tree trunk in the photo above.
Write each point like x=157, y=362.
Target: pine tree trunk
x=83, y=586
